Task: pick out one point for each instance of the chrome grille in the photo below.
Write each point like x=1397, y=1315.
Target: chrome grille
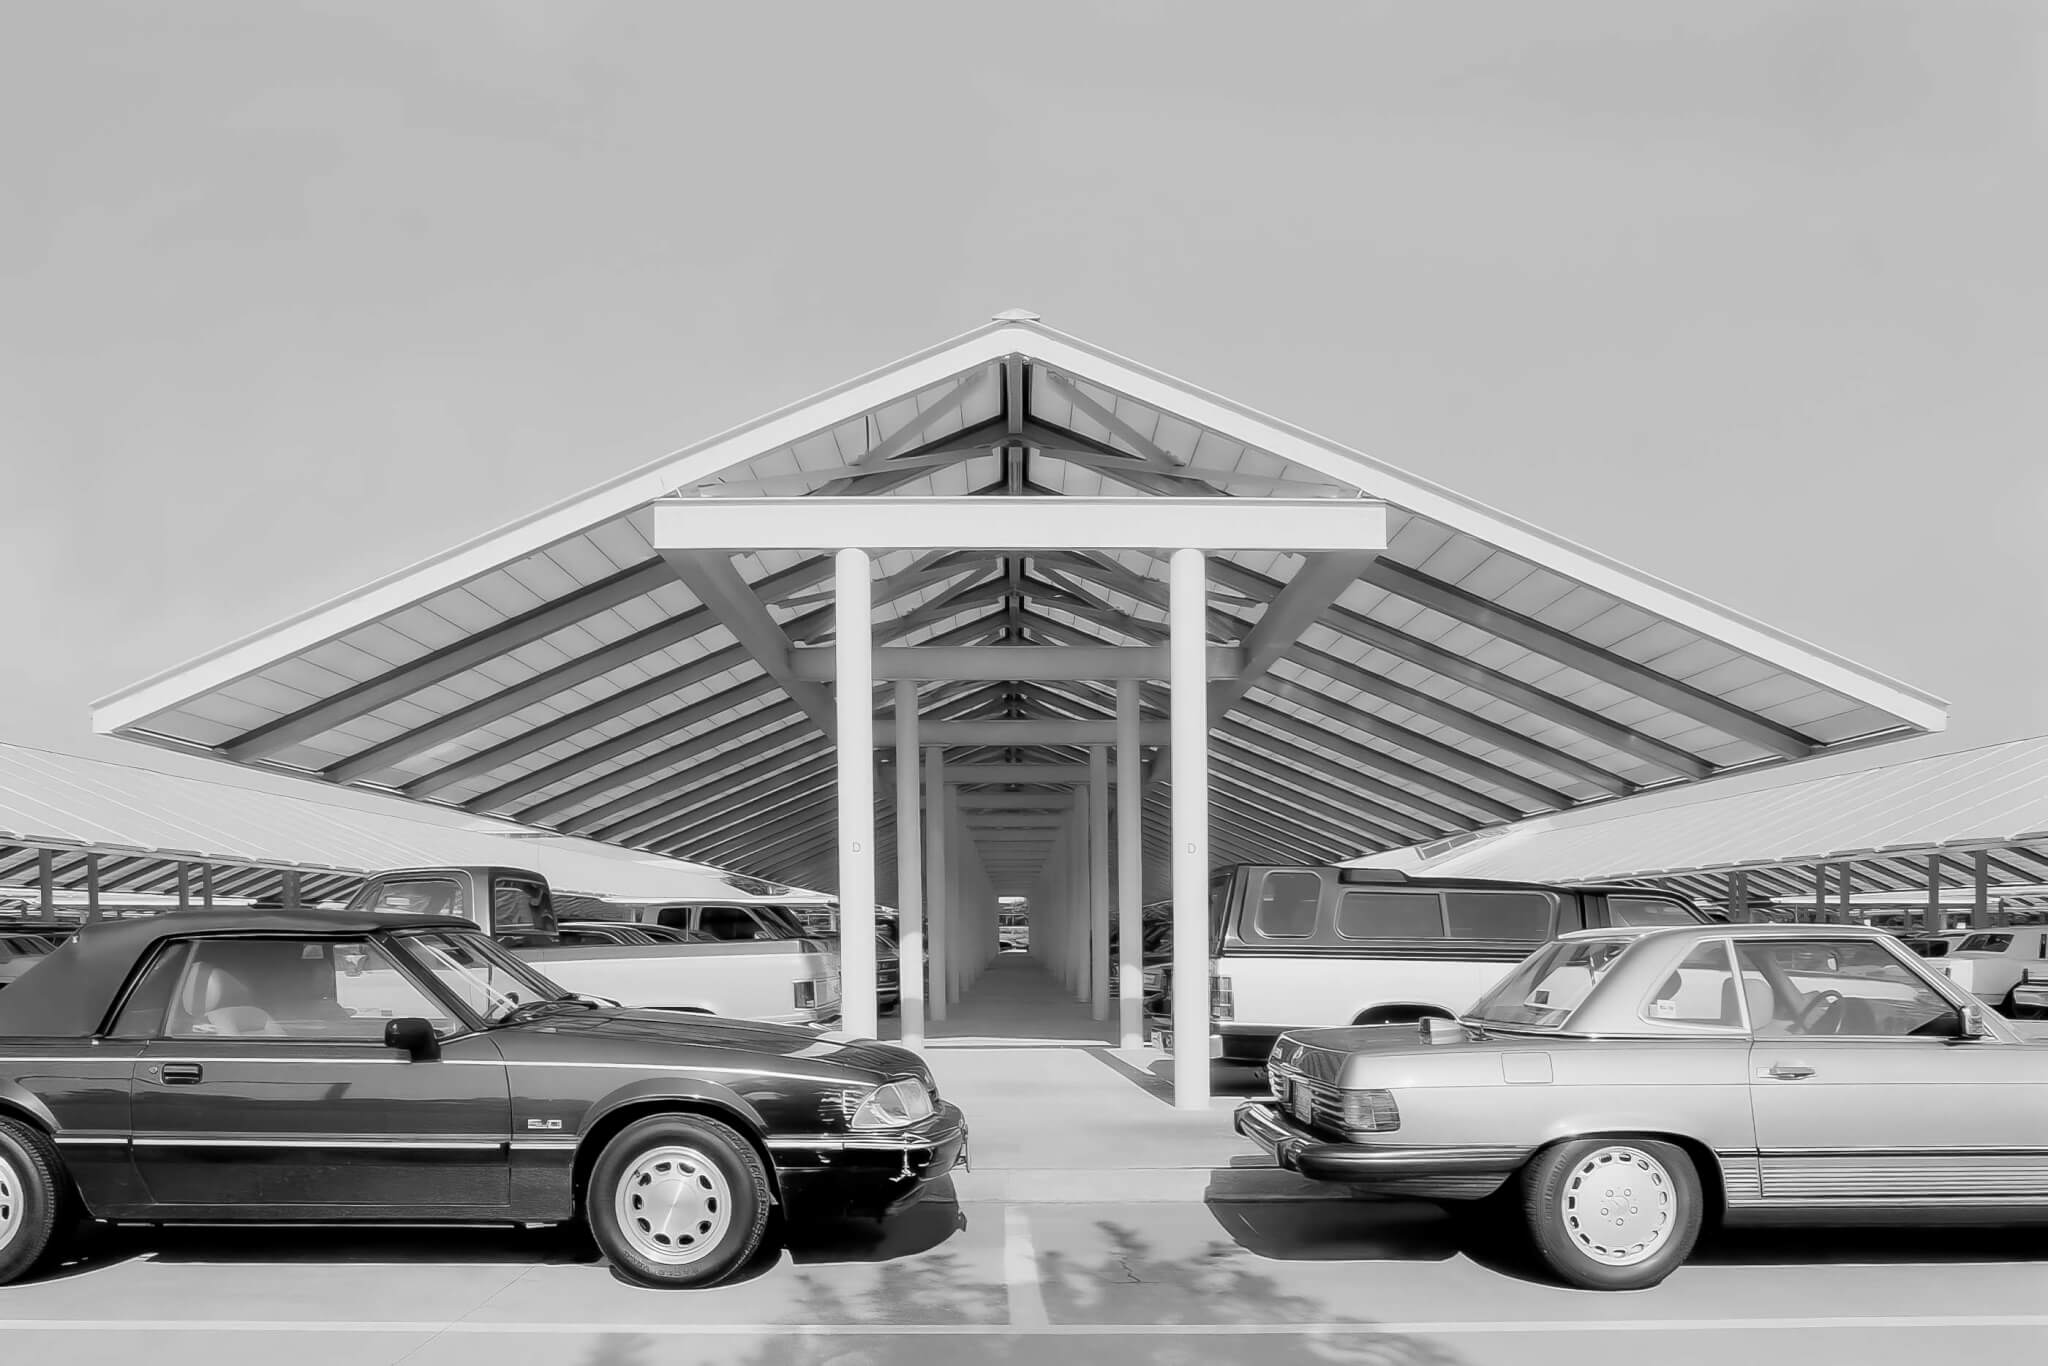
x=1326, y=1102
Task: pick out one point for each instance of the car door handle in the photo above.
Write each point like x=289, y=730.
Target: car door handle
x=1790, y=1071
x=182, y=1073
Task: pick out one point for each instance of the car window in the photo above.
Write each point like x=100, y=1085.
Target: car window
x=142, y=1014
x=1287, y=905
x=1846, y=988
x=1700, y=991
x=293, y=989
x=1549, y=984
x=422, y=896
x=520, y=909
x=1643, y=910
x=1390, y=915
x=675, y=917
x=478, y=972
x=729, y=923
x=1985, y=943
x=1498, y=915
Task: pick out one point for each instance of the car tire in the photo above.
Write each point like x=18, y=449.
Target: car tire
x=35, y=1199
x=678, y=1200
x=1613, y=1213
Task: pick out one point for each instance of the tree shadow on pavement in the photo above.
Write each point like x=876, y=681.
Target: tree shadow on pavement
x=1122, y=1280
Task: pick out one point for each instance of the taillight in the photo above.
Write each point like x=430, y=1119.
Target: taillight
x=806, y=995
x=1222, y=1005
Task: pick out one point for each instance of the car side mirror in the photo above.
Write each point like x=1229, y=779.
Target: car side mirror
x=414, y=1037
x=1972, y=1026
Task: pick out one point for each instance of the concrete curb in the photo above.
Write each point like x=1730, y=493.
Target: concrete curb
x=1168, y=1185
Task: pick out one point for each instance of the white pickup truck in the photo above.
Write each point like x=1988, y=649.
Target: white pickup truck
x=1992, y=964
x=780, y=981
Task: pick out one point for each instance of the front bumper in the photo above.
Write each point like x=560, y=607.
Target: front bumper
x=1414, y=1170
x=869, y=1175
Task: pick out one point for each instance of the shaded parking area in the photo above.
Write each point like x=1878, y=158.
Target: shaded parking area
x=1141, y=1283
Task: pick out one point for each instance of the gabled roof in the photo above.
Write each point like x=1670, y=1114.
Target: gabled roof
x=557, y=672
x=1887, y=821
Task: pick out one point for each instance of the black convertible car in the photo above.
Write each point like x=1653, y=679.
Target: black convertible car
x=327, y=1067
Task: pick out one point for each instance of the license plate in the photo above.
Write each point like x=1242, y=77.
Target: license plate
x=1303, y=1102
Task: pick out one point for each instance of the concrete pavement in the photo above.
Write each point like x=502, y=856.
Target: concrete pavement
x=1280, y=1283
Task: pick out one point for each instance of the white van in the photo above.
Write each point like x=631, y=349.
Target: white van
x=1295, y=947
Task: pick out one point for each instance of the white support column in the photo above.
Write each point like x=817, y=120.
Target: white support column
x=909, y=870
x=1187, y=645
x=1130, y=853
x=1077, y=900
x=942, y=911
x=1980, y=904
x=1098, y=877
x=1936, y=920
x=855, y=706
x=956, y=883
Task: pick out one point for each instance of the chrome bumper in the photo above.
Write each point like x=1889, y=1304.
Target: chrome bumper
x=1301, y=1150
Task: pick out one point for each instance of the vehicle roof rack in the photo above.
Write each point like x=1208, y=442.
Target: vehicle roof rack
x=1371, y=875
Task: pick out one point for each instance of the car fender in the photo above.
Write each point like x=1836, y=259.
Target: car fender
x=15, y=1099
x=690, y=1090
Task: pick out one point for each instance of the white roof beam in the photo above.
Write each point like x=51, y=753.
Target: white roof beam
x=770, y=718
x=1312, y=591
x=1379, y=636
x=563, y=677
x=819, y=523
x=1608, y=667
x=1014, y=663
x=720, y=587
x=446, y=662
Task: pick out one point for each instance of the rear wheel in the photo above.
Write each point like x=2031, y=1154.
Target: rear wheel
x=34, y=1198
x=1613, y=1213
x=678, y=1200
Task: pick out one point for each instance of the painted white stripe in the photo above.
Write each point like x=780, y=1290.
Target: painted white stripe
x=1493, y=1328
x=1020, y=1272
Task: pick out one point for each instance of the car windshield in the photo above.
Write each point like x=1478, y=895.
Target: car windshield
x=1985, y=943
x=1549, y=985
x=479, y=973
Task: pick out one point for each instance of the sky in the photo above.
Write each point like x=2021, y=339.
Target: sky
x=1748, y=295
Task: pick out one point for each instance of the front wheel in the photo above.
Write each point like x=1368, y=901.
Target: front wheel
x=1613, y=1213
x=678, y=1200
x=33, y=1198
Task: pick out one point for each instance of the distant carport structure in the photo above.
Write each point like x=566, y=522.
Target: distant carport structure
x=1108, y=629
x=1933, y=835
x=90, y=832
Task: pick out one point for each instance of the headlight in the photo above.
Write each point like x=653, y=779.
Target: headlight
x=894, y=1105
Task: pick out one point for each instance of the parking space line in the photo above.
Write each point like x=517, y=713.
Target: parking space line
x=1042, y=1329
x=1020, y=1271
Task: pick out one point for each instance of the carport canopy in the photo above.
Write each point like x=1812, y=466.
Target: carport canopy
x=1294, y=652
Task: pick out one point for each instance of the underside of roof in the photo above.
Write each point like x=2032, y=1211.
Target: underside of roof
x=561, y=674
x=1886, y=830
x=133, y=831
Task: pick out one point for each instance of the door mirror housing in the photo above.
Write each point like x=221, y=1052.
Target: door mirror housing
x=414, y=1037
x=1973, y=1026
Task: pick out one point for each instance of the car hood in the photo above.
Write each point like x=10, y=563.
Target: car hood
x=765, y=1041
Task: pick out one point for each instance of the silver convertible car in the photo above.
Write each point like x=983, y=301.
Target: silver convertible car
x=1623, y=1087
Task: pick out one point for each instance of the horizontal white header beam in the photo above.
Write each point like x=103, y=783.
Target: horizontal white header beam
x=1300, y=526
x=1017, y=773
x=1013, y=663
x=1021, y=733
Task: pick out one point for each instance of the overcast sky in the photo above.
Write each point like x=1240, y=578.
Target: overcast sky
x=1748, y=295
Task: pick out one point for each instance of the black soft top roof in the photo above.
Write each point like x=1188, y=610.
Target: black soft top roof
x=66, y=995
